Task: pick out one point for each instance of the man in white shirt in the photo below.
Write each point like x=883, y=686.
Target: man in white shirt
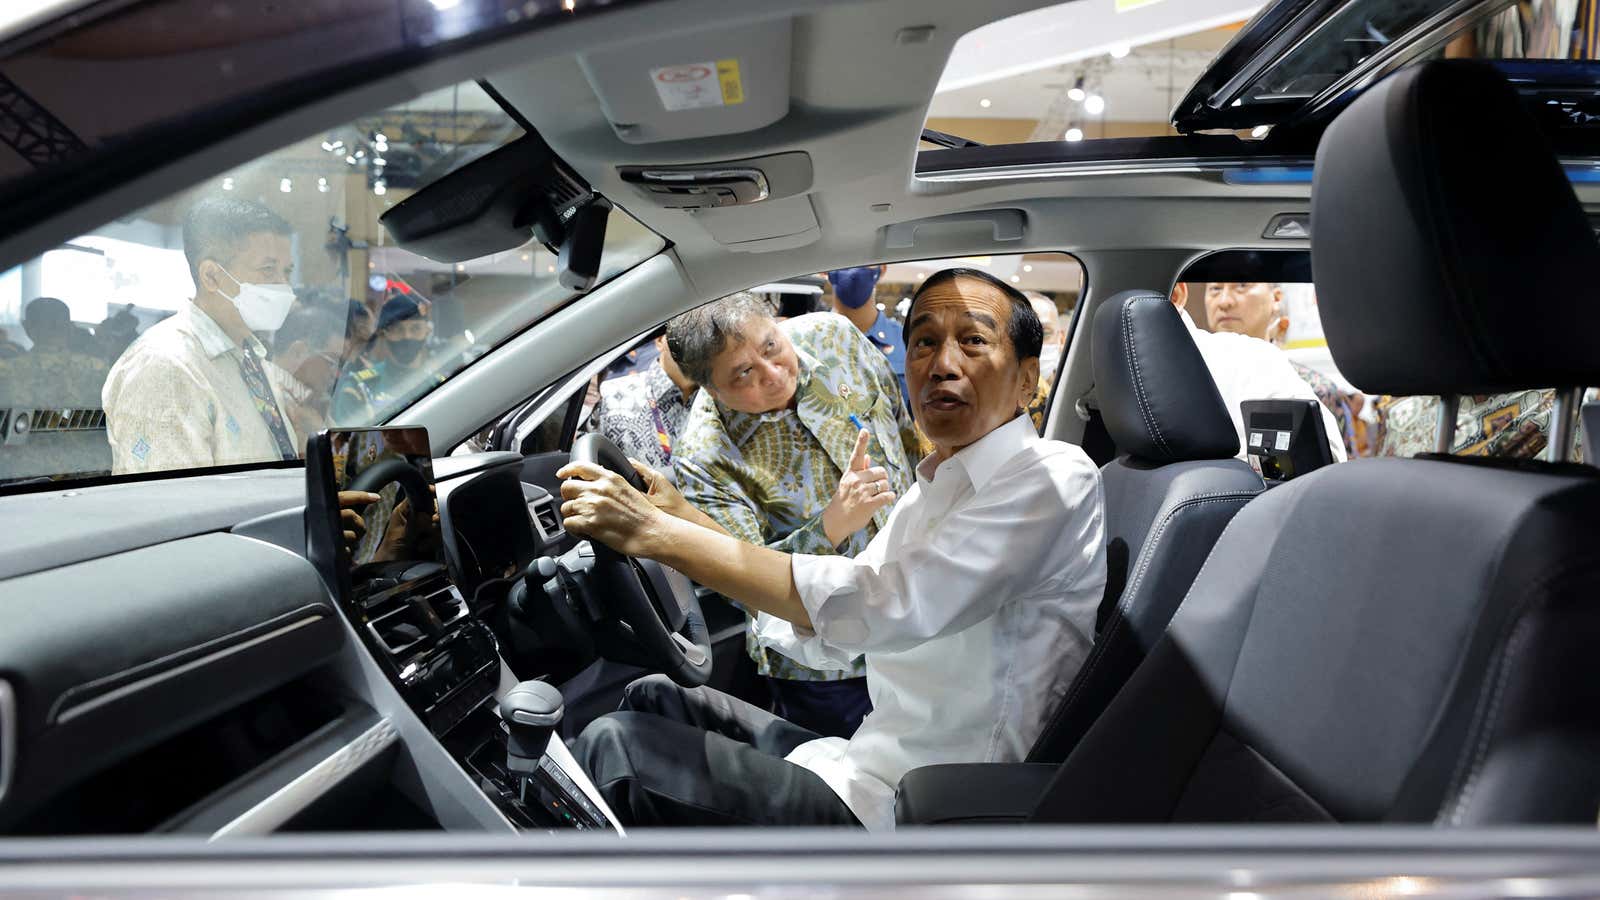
x=1248, y=368
x=974, y=605
x=192, y=391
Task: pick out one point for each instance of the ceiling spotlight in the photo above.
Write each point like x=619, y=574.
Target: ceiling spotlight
x=227, y=184
x=549, y=268
x=379, y=188
x=1074, y=134
x=442, y=5
x=322, y=185
x=1118, y=51
x=986, y=103
x=461, y=267
x=371, y=266
x=1027, y=268
x=379, y=161
x=360, y=154
x=350, y=159
x=285, y=185
x=569, y=5
x=1016, y=279
x=1076, y=94
x=1094, y=104
x=326, y=145
x=1260, y=131
x=527, y=257
x=380, y=137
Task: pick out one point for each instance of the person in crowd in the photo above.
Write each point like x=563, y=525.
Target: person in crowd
x=398, y=348
x=1256, y=309
x=1050, y=350
x=1247, y=368
x=644, y=413
x=116, y=332
x=853, y=291
x=52, y=375
x=966, y=657
x=192, y=390
x=359, y=329
x=305, y=365
x=774, y=450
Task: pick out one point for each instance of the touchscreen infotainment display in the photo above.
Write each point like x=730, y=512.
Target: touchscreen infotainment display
x=378, y=493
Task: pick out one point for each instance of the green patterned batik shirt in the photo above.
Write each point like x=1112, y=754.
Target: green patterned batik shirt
x=767, y=478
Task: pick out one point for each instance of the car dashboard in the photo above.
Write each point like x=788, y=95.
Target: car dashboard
x=221, y=688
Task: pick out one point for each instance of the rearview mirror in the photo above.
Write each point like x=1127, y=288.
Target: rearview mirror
x=495, y=203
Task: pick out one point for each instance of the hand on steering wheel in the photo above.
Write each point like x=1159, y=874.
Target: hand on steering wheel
x=603, y=498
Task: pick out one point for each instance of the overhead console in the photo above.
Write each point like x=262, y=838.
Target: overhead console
x=385, y=563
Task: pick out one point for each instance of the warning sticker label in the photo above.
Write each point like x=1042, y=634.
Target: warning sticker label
x=699, y=85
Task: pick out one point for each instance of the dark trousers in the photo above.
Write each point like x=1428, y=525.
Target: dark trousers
x=830, y=708
x=679, y=756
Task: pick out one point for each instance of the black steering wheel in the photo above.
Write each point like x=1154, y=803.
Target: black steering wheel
x=657, y=605
x=412, y=485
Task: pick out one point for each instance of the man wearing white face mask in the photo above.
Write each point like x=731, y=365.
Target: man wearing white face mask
x=192, y=392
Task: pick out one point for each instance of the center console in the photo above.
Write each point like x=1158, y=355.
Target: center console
x=373, y=532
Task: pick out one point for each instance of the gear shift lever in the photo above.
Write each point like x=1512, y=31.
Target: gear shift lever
x=530, y=713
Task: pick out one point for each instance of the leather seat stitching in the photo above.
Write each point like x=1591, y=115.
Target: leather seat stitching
x=1131, y=353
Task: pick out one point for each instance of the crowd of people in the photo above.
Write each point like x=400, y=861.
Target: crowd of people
x=240, y=374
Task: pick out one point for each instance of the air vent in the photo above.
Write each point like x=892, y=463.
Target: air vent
x=399, y=627
x=544, y=512
x=448, y=604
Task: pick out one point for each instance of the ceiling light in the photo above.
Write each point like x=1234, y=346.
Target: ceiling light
x=1260, y=131
x=1074, y=134
x=986, y=103
x=350, y=159
x=445, y=4
x=322, y=185
x=327, y=146
x=527, y=257
x=285, y=185
x=379, y=161
x=1118, y=51
x=379, y=188
x=371, y=266
x=461, y=267
x=549, y=268
x=380, y=137
x=1094, y=104
x=1027, y=268
x=227, y=184
x=569, y=5
x=1016, y=279
x=1076, y=95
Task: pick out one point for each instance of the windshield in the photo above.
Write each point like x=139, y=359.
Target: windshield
x=226, y=323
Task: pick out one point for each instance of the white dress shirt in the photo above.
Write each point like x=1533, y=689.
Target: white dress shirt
x=974, y=605
x=1247, y=368
x=175, y=400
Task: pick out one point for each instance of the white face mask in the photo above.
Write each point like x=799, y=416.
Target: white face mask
x=1049, y=359
x=262, y=306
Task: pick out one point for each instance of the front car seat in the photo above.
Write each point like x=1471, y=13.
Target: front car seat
x=1167, y=499
x=1451, y=677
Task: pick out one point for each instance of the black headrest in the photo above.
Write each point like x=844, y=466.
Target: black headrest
x=1156, y=394
x=1449, y=252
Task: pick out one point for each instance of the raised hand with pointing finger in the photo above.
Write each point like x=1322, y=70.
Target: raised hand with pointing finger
x=863, y=490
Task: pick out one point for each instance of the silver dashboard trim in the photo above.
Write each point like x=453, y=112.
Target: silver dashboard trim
x=8, y=736
x=284, y=803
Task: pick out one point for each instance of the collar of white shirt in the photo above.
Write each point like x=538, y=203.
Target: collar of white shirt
x=981, y=460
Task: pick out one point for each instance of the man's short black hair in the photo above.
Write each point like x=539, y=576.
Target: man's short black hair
x=216, y=227
x=310, y=323
x=1024, y=328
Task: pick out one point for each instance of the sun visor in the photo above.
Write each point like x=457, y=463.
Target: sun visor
x=696, y=85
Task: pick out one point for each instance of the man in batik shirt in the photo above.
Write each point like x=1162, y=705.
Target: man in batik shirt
x=644, y=412
x=767, y=450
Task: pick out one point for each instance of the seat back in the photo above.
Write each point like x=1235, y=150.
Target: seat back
x=1167, y=497
x=1394, y=640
